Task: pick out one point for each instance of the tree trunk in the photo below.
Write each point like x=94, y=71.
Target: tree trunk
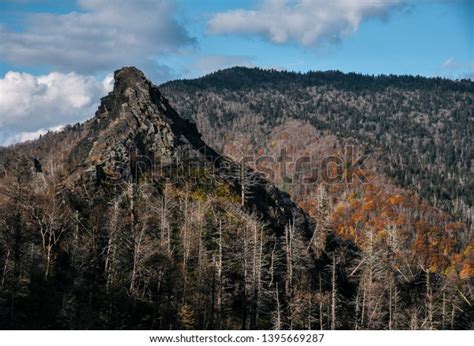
x=333, y=292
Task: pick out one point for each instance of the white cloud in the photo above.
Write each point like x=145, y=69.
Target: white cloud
x=450, y=63
x=30, y=105
x=307, y=22
x=102, y=36
x=211, y=63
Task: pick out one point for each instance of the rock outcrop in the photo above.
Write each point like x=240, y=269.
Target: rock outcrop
x=136, y=131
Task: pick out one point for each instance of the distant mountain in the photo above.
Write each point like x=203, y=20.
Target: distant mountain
x=131, y=220
x=422, y=128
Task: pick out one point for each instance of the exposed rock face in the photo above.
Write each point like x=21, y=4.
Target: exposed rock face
x=136, y=130
x=127, y=123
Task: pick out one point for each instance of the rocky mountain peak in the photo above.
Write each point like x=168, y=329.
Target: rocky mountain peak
x=135, y=130
x=129, y=76
x=131, y=85
x=133, y=120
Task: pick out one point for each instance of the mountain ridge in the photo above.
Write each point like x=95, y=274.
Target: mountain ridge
x=245, y=77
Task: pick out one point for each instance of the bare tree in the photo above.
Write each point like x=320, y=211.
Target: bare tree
x=52, y=219
x=333, y=292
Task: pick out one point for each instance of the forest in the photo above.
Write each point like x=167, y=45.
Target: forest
x=156, y=212
x=421, y=128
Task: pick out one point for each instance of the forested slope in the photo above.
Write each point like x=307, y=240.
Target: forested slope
x=132, y=220
x=422, y=128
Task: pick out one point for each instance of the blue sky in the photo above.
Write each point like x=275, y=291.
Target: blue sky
x=45, y=43
x=417, y=37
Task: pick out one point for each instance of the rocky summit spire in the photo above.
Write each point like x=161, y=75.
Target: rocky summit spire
x=133, y=121
x=127, y=76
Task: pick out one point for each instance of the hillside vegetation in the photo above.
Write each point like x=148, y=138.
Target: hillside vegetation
x=299, y=207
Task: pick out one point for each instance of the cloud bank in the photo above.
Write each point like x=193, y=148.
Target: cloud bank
x=101, y=37
x=307, y=22
x=32, y=105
